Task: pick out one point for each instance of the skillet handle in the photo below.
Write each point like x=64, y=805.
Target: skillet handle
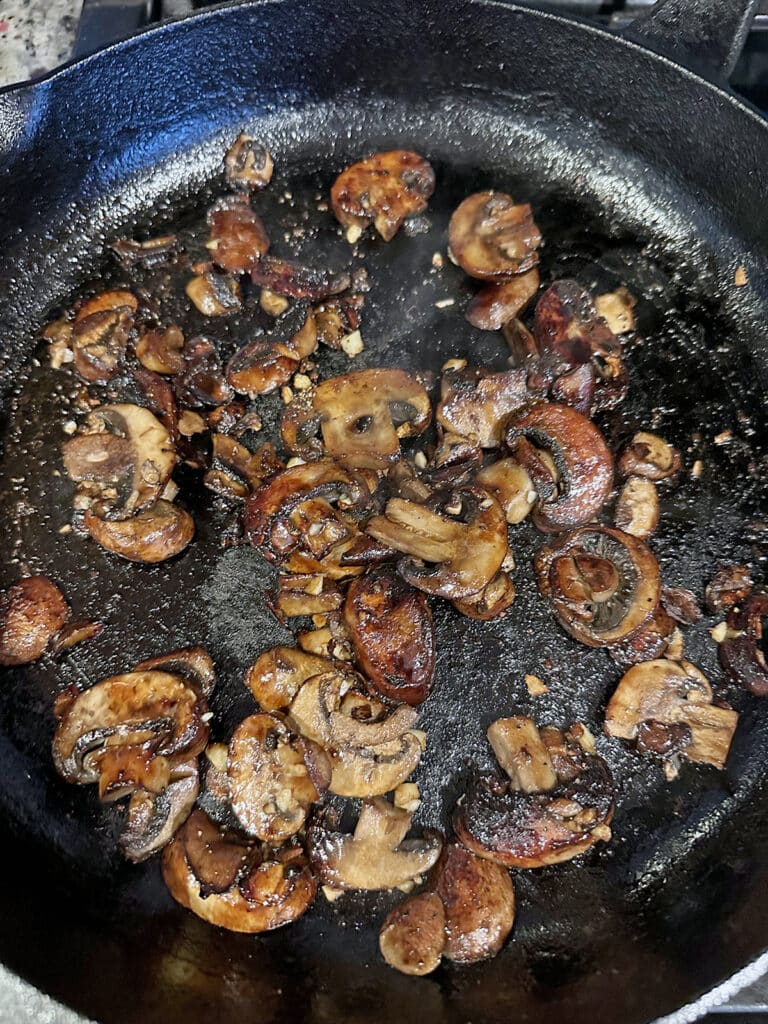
x=103, y=22
x=706, y=36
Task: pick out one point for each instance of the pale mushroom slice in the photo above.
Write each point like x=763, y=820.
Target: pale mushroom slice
x=651, y=457
x=232, y=883
x=278, y=674
x=155, y=534
x=511, y=485
x=637, y=508
x=412, y=937
x=522, y=754
x=377, y=855
x=474, y=404
x=617, y=308
x=363, y=415
x=492, y=237
x=385, y=189
x=667, y=706
x=32, y=611
x=274, y=777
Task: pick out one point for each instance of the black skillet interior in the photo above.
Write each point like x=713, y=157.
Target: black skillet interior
x=579, y=125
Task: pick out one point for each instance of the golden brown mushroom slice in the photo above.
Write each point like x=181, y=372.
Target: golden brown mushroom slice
x=248, y=163
x=278, y=674
x=156, y=534
x=479, y=904
x=666, y=707
x=383, y=190
x=556, y=801
x=201, y=382
x=193, y=664
x=215, y=293
x=412, y=937
x=370, y=771
x=604, y=584
x=377, y=855
x=637, y=509
x=100, y=334
x=492, y=237
x=237, y=237
x=363, y=415
x=651, y=457
x=497, y=304
x=255, y=889
x=160, y=351
x=32, y=611
x=511, y=486
x=262, y=366
x=475, y=404
x=493, y=601
x=154, y=818
x=274, y=777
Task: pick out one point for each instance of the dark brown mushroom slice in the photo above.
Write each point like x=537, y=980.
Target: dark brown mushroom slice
x=100, y=334
x=201, y=383
x=278, y=674
x=248, y=163
x=412, y=936
x=384, y=190
x=215, y=294
x=160, y=350
x=650, y=457
x=32, y=611
x=160, y=400
x=235, y=470
x=497, y=304
x=454, y=462
x=730, y=586
x=580, y=454
x=523, y=350
x=493, y=601
x=576, y=389
x=567, y=324
x=391, y=628
x=155, y=534
x=298, y=281
x=152, y=252
x=743, y=655
x=300, y=426
x=479, y=904
x=193, y=664
x=682, y=604
x=475, y=404
x=260, y=368
x=336, y=319
x=101, y=458
x=217, y=856
x=604, y=584
x=237, y=239
x=73, y=633
x=492, y=237
x=154, y=818
x=652, y=640
x=363, y=415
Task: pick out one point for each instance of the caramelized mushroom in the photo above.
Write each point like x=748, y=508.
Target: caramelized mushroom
x=274, y=777
x=474, y=404
x=100, y=334
x=492, y=237
x=511, y=486
x=336, y=320
x=412, y=937
x=604, y=584
x=32, y=611
x=193, y=664
x=376, y=856
x=651, y=640
x=277, y=675
x=730, y=585
x=567, y=325
x=202, y=382
x=479, y=904
x=284, y=277
x=497, y=304
x=235, y=470
x=383, y=190
x=214, y=294
x=154, y=818
x=741, y=652
x=150, y=253
x=306, y=594
x=637, y=510
x=391, y=628
x=237, y=236
x=248, y=163
x=650, y=457
x=665, y=695
x=491, y=602
x=161, y=350
x=582, y=459
x=156, y=534
x=262, y=366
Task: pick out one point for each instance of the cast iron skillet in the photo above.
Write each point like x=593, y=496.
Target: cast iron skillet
x=640, y=172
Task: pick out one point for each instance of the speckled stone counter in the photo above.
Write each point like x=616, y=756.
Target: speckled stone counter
x=35, y=36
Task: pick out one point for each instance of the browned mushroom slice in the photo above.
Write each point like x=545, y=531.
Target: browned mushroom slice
x=237, y=471
x=300, y=426
x=649, y=456
x=72, y=633
x=567, y=323
x=391, y=629
x=742, y=654
x=336, y=320
x=604, y=584
x=511, y=486
x=155, y=534
x=306, y=594
x=100, y=334
x=201, y=382
x=730, y=586
x=193, y=664
x=383, y=190
x=682, y=604
x=637, y=510
x=583, y=461
x=492, y=237
x=237, y=236
x=663, y=695
x=262, y=366
x=215, y=294
x=377, y=855
x=371, y=771
x=268, y=888
x=150, y=253
x=128, y=710
x=248, y=163
x=457, y=544
x=297, y=281
x=576, y=388
x=491, y=602
x=161, y=350
x=652, y=640
x=274, y=777
x=525, y=822
x=153, y=818
x=497, y=304
x=474, y=404
x=363, y=415
x=412, y=936
x=277, y=675
x=32, y=611
x=479, y=904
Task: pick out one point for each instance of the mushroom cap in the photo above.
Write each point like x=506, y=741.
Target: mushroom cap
x=193, y=664
x=492, y=237
x=155, y=534
x=474, y=405
x=32, y=611
x=384, y=189
x=412, y=936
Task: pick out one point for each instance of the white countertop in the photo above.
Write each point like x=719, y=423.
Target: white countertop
x=35, y=36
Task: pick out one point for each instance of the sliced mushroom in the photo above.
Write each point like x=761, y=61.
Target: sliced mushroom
x=479, y=904
x=267, y=888
x=522, y=753
x=604, y=584
x=161, y=350
x=377, y=855
x=516, y=823
x=274, y=777
x=72, y=633
x=370, y=771
x=202, y=382
x=297, y=281
x=576, y=388
x=154, y=818
x=193, y=664
x=262, y=366
x=492, y=237
x=497, y=304
x=150, y=253
x=664, y=695
x=336, y=320
x=32, y=611
x=248, y=163
x=100, y=334
x=383, y=190
x=474, y=405
x=363, y=415
x=730, y=586
x=650, y=457
x=651, y=640
x=392, y=632
x=277, y=675
x=617, y=308
x=155, y=534
x=567, y=325
x=637, y=510
x=511, y=486
x=461, y=536
x=235, y=470
x=681, y=604
x=491, y=602
x=583, y=461
x=742, y=654
x=215, y=294
x=306, y=594
x=412, y=937
x=237, y=236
